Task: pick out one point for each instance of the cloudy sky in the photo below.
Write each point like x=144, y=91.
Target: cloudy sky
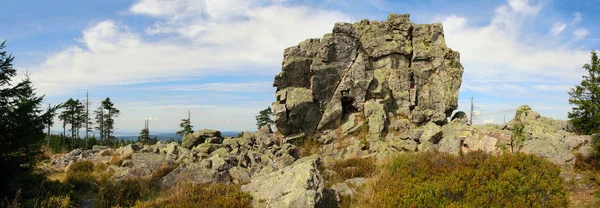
x=158, y=58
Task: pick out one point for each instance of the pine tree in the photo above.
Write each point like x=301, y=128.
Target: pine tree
x=264, y=118
x=99, y=112
x=22, y=125
x=144, y=136
x=109, y=121
x=186, y=126
x=585, y=116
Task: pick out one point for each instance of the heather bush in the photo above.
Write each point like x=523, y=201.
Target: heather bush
x=474, y=179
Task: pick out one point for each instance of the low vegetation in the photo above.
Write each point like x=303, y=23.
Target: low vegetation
x=349, y=168
x=474, y=179
x=206, y=195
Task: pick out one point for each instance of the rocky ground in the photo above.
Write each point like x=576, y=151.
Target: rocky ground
x=274, y=172
x=367, y=90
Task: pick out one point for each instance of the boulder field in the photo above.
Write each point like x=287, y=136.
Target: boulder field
x=367, y=90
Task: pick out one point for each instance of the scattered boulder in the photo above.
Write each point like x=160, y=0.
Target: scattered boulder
x=298, y=185
x=196, y=138
x=194, y=173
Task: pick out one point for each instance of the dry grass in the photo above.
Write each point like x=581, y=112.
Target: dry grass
x=106, y=153
x=163, y=171
x=116, y=159
x=58, y=202
x=350, y=168
x=60, y=176
x=582, y=185
x=205, y=195
x=124, y=193
x=309, y=147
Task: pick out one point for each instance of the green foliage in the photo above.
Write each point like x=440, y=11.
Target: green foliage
x=80, y=178
x=474, y=179
x=518, y=138
x=186, y=127
x=21, y=127
x=264, y=118
x=35, y=190
x=144, y=136
x=585, y=114
x=73, y=114
x=105, y=119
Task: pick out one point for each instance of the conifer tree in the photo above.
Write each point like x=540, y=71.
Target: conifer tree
x=22, y=124
x=585, y=114
x=264, y=118
x=186, y=126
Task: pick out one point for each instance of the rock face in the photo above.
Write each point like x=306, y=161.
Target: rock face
x=298, y=185
x=380, y=71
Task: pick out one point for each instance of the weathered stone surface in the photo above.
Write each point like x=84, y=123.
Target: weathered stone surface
x=191, y=140
x=194, y=173
x=299, y=185
x=384, y=71
x=128, y=150
x=549, y=138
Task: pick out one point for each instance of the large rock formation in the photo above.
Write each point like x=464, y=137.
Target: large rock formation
x=377, y=72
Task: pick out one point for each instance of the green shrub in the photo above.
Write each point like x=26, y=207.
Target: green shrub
x=472, y=180
x=80, y=178
x=204, y=195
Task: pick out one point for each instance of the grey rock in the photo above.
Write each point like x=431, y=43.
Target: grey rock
x=298, y=185
x=194, y=173
x=196, y=138
x=382, y=71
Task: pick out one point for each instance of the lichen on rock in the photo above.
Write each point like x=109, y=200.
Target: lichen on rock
x=377, y=69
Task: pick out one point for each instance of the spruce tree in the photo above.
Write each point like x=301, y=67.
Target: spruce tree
x=22, y=125
x=109, y=118
x=585, y=114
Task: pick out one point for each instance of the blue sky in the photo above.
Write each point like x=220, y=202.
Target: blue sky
x=158, y=58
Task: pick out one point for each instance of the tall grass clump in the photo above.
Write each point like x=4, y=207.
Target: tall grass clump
x=349, y=168
x=474, y=179
x=215, y=195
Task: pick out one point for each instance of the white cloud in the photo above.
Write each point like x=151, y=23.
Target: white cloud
x=576, y=18
x=505, y=63
x=220, y=117
x=217, y=87
x=523, y=6
x=580, y=33
x=553, y=88
x=489, y=121
x=557, y=28
x=202, y=38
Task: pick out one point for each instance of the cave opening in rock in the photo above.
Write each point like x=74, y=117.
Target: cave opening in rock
x=347, y=105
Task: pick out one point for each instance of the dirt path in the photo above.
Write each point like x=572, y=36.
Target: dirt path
x=581, y=187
